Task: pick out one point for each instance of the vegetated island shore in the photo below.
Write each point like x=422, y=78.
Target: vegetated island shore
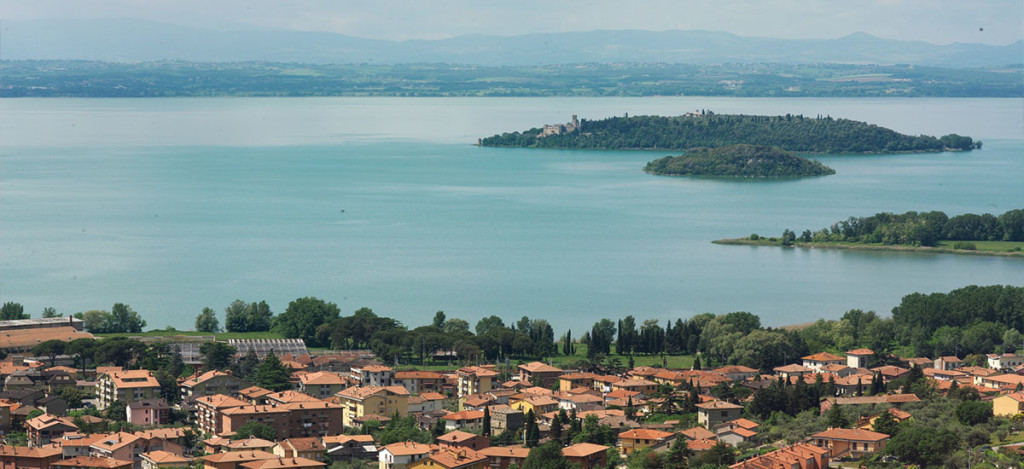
x=946, y=248
x=738, y=161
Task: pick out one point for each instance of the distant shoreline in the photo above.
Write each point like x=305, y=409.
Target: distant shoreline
x=868, y=247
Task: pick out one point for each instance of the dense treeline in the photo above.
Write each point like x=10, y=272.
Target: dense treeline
x=970, y=320
x=738, y=161
x=790, y=132
x=919, y=228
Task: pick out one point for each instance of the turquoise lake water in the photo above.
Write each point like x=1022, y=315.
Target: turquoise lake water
x=171, y=205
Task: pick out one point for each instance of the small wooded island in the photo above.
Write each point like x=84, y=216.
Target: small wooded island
x=741, y=161
x=794, y=133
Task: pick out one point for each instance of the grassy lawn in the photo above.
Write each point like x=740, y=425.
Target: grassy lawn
x=673, y=361
x=989, y=246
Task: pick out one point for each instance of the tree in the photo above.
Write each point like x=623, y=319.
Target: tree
x=719, y=455
x=207, y=321
x=303, y=316
x=124, y=319
x=84, y=348
x=886, y=423
x=922, y=445
x=116, y=411
x=272, y=374
x=260, y=318
x=50, y=348
x=50, y=312
x=531, y=434
x=96, y=321
x=487, y=421
x=255, y=430
x=788, y=237
x=973, y=413
x=11, y=310
x=678, y=455
x=546, y=456
x=236, y=317
x=836, y=417
x=168, y=386
x=216, y=355
x=439, y=319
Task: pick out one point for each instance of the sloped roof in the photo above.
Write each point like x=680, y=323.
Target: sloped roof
x=823, y=357
x=850, y=435
x=582, y=450
x=539, y=367
x=644, y=434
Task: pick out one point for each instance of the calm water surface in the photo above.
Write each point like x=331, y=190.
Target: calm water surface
x=172, y=205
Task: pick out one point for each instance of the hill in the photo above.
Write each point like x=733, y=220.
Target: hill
x=745, y=161
x=126, y=40
x=705, y=129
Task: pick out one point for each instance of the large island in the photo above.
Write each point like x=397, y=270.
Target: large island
x=796, y=133
x=741, y=161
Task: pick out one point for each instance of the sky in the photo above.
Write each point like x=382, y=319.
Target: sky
x=996, y=22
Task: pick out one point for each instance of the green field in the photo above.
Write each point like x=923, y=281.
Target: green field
x=671, y=361
x=219, y=336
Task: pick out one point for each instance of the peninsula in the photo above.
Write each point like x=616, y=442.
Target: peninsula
x=795, y=133
x=739, y=161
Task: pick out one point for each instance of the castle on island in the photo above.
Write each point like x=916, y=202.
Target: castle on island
x=559, y=129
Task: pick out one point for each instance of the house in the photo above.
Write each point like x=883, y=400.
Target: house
x=322, y=384
x=210, y=383
x=284, y=463
x=539, y=374
x=710, y=414
x=1008, y=405
x=640, y=438
x=234, y=459
x=868, y=422
x=461, y=439
x=148, y=412
x=234, y=418
x=309, y=448
x=638, y=385
x=53, y=405
x=948, y=363
x=250, y=444
x=451, y=458
x=76, y=444
x=123, y=446
x=426, y=402
x=737, y=372
x=1006, y=361
x=698, y=433
x=892, y=399
x=580, y=402
x=470, y=420
x=538, y=404
x=364, y=400
x=45, y=428
x=847, y=443
x=890, y=372
x=347, y=447
x=1007, y=382
x=817, y=361
x=859, y=358
x=372, y=375
x=126, y=386
x=476, y=402
x=570, y=381
x=800, y=456
x=313, y=419
x=794, y=370
x=733, y=436
x=401, y=455
x=163, y=460
x=474, y=380
x=501, y=457
x=19, y=457
x=586, y=455
x=506, y=418
x=419, y=381
x=254, y=395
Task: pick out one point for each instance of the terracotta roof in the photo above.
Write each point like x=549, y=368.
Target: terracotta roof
x=452, y=458
x=342, y=439
x=701, y=445
x=253, y=409
x=21, y=338
x=456, y=436
x=741, y=432
x=163, y=457
x=633, y=382
x=362, y=392
x=465, y=415
x=697, y=433
x=254, y=392
x=115, y=441
x=735, y=369
x=46, y=421
x=792, y=456
x=372, y=368
x=418, y=375
x=134, y=379
x=1017, y=396
x=238, y=456
x=505, y=452
x=476, y=370
x=221, y=401
x=743, y=423
x=322, y=377
x=823, y=357
x=26, y=452
x=407, y=448
x=164, y=433
x=200, y=379
x=282, y=463
x=891, y=398
x=861, y=351
x=577, y=376
x=539, y=367
x=250, y=443
x=433, y=396
x=718, y=405
x=850, y=435
x=644, y=434
x=286, y=397
x=582, y=450
x=92, y=462
x=303, y=444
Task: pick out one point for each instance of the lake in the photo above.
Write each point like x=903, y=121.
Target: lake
x=171, y=205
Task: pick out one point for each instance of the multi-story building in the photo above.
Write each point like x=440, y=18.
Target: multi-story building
x=126, y=386
x=208, y=411
x=322, y=384
x=210, y=383
x=419, y=381
x=373, y=375
x=275, y=417
x=309, y=448
x=640, y=438
x=378, y=400
x=586, y=455
x=475, y=380
x=539, y=374
x=844, y=442
x=710, y=414
x=46, y=427
x=313, y=419
x=401, y=455
x=29, y=458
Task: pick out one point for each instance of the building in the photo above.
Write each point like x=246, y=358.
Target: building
x=451, y=458
x=1008, y=405
x=163, y=460
x=1008, y=382
x=401, y=455
x=309, y=448
x=640, y=438
x=501, y=457
x=819, y=360
x=474, y=380
x=92, y=462
x=283, y=463
x=570, y=381
x=539, y=374
x=313, y=419
x=322, y=384
x=710, y=414
x=538, y=404
x=847, y=443
x=366, y=400
x=18, y=457
x=791, y=371
x=426, y=402
x=235, y=417
x=801, y=456
x=586, y=455
x=506, y=418
x=21, y=335
x=210, y=383
x=250, y=444
x=1006, y=361
x=234, y=459
x=737, y=372
x=638, y=385
x=859, y=358
x=461, y=439
x=417, y=382
x=123, y=446
x=45, y=428
x=558, y=129
x=208, y=411
x=126, y=386
x=948, y=363
x=470, y=420
x=148, y=412
x=347, y=447
x=372, y=375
